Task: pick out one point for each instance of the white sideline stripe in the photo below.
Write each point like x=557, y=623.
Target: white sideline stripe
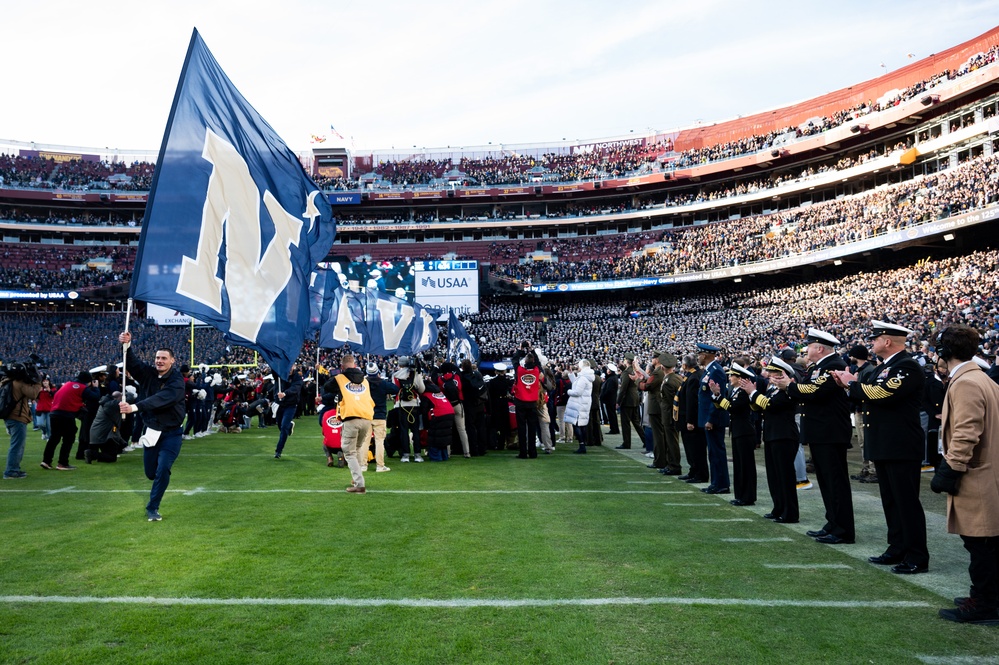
x=625, y=473
x=958, y=660
x=700, y=504
x=807, y=566
x=203, y=490
x=721, y=519
x=757, y=540
x=465, y=602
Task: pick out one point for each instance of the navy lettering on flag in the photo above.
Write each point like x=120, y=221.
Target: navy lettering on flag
x=234, y=226
x=372, y=322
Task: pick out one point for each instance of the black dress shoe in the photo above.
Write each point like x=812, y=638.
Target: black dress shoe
x=830, y=539
x=770, y=516
x=909, y=569
x=708, y=490
x=653, y=466
x=885, y=559
x=671, y=472
x=622, y=448
x=685, y=476
x=781, y=520
x=736, y=502
x=721, y=490
x=817, y=534
x=696, y=481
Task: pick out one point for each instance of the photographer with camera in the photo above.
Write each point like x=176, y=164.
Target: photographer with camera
x=23, y=381
x=409, y=379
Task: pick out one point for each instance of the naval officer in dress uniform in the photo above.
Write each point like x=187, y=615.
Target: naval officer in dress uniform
x=826, y=428
x=893, y=440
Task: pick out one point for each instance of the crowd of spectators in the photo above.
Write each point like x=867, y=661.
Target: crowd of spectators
x=41, y=279
x=793, y=232
x=615, y=160
x=606, y=160
x=758, y=321
x=69, y=343
x=36, y=267
x=74, y=174
x=36, y=215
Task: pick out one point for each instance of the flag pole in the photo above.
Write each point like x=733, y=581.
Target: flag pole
x=124, y=352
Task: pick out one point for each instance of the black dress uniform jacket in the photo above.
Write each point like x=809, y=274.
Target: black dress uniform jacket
x=826, y=415
x=778, y=414
x=891, y=399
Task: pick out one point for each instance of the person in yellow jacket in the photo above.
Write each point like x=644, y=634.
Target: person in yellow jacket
x=350, y=392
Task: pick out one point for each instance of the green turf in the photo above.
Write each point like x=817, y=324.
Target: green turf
x=567, y=527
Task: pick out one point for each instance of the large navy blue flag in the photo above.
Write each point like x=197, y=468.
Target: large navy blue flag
x=372, y=322
x=460, y=345
x=234, y=227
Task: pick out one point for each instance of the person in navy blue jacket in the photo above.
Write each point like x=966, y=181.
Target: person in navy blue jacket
x=287, y=407
x=712, y=419
x=161, y=403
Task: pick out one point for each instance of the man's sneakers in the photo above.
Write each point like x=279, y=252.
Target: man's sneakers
x=354, y=489
x=967, y=611
x=804, y=485
x=277, y=455
x=404, y=459
x=15, y=475
x=45, y=465
x=418, y=458
x=382, y=469
x=65, y=467
x=927, y=468
x=153, y=515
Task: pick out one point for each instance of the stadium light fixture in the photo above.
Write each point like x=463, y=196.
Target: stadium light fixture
x=838, y=262
x=948, y=237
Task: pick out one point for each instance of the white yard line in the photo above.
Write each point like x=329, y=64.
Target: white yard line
x=464, y=602
x=338, y=490
x=807, y=566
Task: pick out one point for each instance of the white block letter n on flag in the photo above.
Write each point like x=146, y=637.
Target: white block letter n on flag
x=234, y=227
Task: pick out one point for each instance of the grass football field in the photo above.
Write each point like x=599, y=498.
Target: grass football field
x=564, y=559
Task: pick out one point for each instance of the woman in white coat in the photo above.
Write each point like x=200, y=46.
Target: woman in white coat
x=577, y=409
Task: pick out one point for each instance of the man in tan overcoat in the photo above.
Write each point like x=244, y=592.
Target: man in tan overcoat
x=969, y=472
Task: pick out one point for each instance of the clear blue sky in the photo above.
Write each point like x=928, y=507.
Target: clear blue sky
x=395, y=73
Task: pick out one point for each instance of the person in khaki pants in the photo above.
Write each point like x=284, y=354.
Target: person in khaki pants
x=350, y=392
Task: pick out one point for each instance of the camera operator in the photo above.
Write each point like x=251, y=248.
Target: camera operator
x=409, y=379
x=67, y=406
x=25, y=387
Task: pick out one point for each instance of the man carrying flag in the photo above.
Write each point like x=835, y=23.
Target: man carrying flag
x=234, y=227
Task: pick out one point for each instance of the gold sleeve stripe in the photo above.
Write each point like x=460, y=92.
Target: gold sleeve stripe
x=807, y=388
x=724, y=403
x=874, y=392
x=762, y=402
